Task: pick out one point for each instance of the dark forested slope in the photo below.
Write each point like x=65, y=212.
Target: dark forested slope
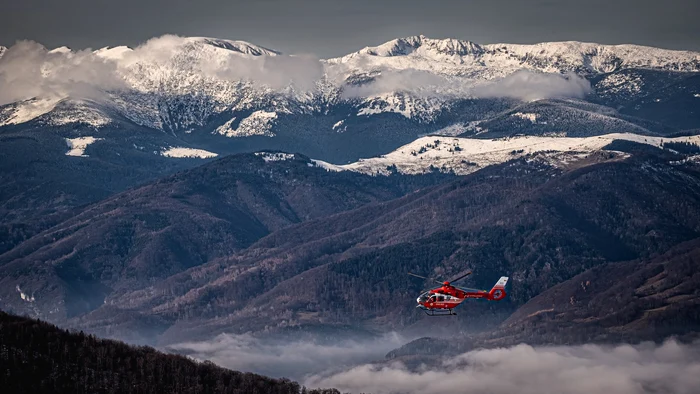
x=647, y=299
x=36, y=357
x=130, y=240
x=535, y=224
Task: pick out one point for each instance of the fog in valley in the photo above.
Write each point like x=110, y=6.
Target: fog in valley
x=360, y=366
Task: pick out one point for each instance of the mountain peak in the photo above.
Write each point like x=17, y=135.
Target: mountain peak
x=168, y=43
x=63, y=49
x=407, y=45
x=234, y=45
x=113, y=53
x=575, y=56
x=593, y=57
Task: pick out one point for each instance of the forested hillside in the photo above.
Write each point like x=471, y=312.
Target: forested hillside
x=36, y=357
x=165, y=227
x=539, y=226
x=648, y=299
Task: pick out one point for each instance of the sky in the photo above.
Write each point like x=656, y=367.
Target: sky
x=329, y=28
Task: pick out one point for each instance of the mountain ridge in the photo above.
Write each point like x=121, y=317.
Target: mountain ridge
x=158, y=59
x=573, y=52
x=169, y=225
x=308, y=273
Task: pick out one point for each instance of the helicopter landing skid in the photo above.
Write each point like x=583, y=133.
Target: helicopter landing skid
x=438, y=312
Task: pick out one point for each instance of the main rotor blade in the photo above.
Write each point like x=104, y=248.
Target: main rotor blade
x=470, y=290
x=423, y=277
x=461, y=277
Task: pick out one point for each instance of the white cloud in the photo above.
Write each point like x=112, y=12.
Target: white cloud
x=416, y=82
x=28, y=70
x=276, y=72
x=291, y=359
x=529, y=85
x=523, y=85
x=671, y=368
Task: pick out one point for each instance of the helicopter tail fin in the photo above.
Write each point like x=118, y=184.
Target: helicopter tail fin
x=499, y=289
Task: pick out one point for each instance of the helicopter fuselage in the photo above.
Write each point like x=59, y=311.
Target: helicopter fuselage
x=442, y=300
x=448, y=297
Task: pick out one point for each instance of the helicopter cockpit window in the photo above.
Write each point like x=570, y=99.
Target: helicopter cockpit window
x=423, y=297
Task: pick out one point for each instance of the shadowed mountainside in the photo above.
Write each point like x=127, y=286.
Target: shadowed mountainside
x=647, y=299
x=131, y=240
x=539, y=225
x=632, y=301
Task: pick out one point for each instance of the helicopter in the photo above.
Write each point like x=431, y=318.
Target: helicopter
x=442, y=300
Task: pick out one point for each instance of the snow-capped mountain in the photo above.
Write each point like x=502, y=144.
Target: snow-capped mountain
x=175, y=101
x=182, y=84
x=459, y=57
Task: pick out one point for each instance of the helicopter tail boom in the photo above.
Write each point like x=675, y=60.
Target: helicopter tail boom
x=499, y=289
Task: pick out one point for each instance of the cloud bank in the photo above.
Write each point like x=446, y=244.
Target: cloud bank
x=415, y=82
x=528, y=86
x=670, y=368
x=291, y=359
x=276, y=72
x=523, y=85
x=28, y=70
x=279, y=72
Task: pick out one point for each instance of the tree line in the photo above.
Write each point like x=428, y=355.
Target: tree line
x=37, y=357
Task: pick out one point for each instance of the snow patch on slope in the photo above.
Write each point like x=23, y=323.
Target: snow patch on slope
x=78, y=145
x=24, y=296
x=526, y=116
x=226, y=128
x=327, y=166
x=466, y=155
x=258, y=123
x=180, y=152
x=613, y=84
x=79, y=113
x=24, y=111
x=339, y=126
x=277, y=156
x=418, y=108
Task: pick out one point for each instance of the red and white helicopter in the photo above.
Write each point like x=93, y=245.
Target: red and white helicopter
x=440, y=301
